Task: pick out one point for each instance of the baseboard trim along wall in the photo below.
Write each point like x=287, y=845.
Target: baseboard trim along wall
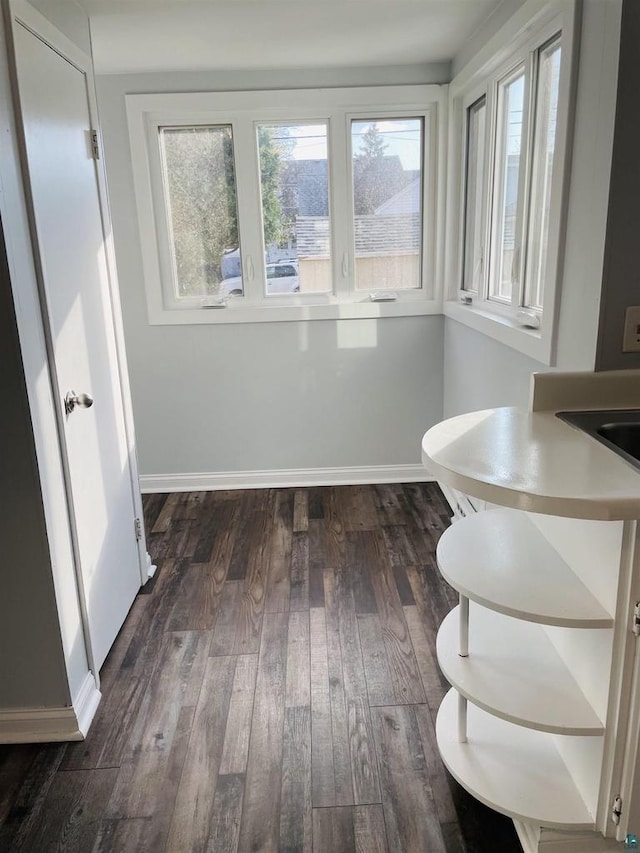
x=44, y=725
x=302, y=477
x=536, y=839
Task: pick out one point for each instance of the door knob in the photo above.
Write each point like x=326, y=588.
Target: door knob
x=82, y=401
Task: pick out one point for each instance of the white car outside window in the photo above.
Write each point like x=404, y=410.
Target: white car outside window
x=282, y=277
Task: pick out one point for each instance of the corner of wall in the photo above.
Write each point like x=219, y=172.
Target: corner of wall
x=582, y=281
x=621, y=276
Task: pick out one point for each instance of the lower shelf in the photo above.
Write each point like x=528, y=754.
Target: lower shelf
x=511, y=769
x=514, y=672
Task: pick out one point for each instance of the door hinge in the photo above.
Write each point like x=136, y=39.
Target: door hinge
x=95, y=145
x=635, y=627
x=137, y=524
x=616, y=810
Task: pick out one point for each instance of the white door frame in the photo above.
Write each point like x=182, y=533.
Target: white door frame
x=20, y=13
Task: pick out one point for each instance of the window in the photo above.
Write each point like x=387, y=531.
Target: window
x=294, y=186
x=514, y=138
x=505, y=248
x=287, y=205
x=386, y=164
x=474, y=196
x=202, y=215
x=542, y=172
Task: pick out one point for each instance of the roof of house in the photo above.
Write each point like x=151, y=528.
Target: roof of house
x=307, y=183
x=405, y=201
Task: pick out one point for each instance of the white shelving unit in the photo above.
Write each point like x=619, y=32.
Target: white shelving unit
x=540, y=652
x=522, y=693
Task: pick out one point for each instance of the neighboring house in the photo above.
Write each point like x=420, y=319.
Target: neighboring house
x=306, y=182
x=387, y=243
x=407, y=200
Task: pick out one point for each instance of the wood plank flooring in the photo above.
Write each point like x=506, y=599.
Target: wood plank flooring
x=274, y=688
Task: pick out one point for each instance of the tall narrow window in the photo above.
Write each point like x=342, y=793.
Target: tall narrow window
x=505, y=266
x=473, y=260
x=542, y=171
x=387, y=169
x=294, y=186
x=200, y=188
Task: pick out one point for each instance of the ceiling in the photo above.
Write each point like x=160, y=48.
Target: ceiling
x=154, y=35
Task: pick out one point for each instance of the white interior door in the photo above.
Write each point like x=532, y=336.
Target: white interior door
x=69, y=233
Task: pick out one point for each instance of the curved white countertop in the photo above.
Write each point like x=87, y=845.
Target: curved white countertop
x=532, y=461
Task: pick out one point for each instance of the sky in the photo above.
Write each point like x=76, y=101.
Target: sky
x=402, y=137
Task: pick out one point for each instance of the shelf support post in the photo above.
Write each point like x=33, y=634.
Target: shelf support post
x=463, y=644
x=462, y=719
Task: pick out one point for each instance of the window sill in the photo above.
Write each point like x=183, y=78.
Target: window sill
x=237, y=313
x=535, y=343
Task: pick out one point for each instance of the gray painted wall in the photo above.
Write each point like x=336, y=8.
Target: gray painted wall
x=266, y=396
x=482, y=373
x=621, y=285
x=32, y=669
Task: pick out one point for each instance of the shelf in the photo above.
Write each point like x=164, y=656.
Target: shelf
x=511, y=769
x=513, y=671
x=532, y=461
x=499, y=559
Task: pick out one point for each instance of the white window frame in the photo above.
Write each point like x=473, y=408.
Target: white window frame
x=427, y=227
x=469, y=101
x=244, y=111
x=527, y=31
x=497, y=184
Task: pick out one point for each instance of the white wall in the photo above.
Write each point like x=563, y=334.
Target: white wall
x=323, y=394
x=507, y=378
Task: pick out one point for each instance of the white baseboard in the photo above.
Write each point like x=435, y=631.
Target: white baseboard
x=151, y=569
x=540, y=840
x=577, y=842
x=45, y=725
x=150, y=483
x=86, y=704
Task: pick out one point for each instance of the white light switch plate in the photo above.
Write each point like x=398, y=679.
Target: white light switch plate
x=631, y=336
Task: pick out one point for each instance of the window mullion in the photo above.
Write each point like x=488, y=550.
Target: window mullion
x=340, y=190
x=249, y=202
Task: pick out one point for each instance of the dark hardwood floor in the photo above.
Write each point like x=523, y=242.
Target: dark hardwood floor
x=273, y=688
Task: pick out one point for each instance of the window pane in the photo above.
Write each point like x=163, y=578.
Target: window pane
x=543, y=151
x=474, y=197
x=200, y=187
x=387, y=202
x=294, y=184
x=505, y=260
